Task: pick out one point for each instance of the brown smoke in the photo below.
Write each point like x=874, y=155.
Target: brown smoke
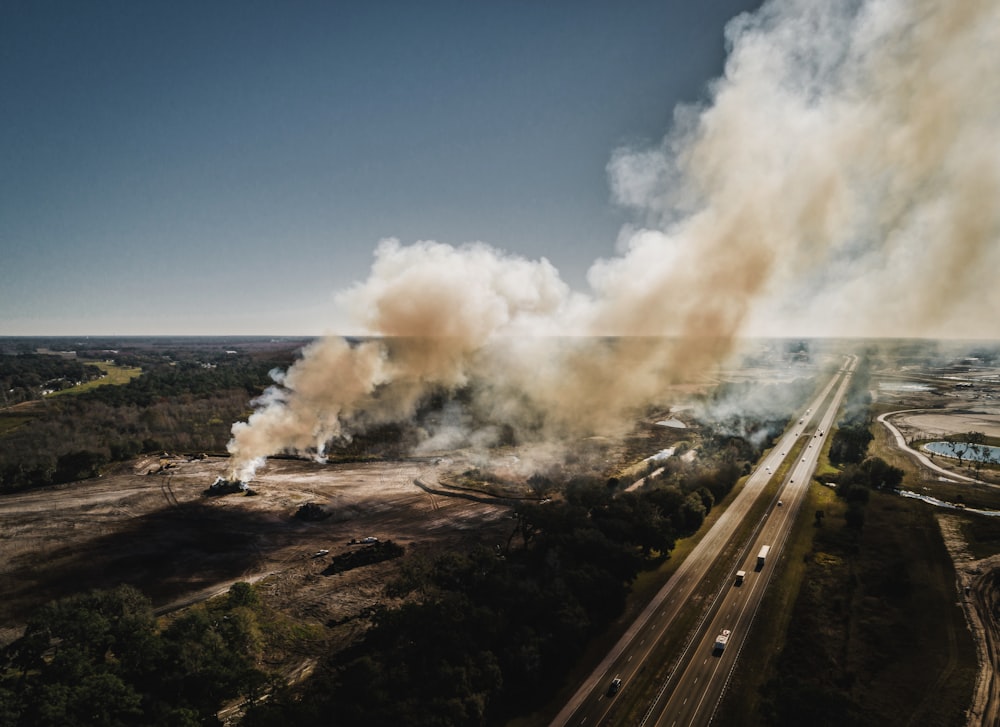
x=843, y=180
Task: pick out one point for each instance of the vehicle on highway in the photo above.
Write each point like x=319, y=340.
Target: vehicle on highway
x=616, y=684
x=740, y=577
x=720, y=642
x=780, y=503
x=762, y=556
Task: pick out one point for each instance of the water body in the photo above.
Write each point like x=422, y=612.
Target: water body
x=895, y=386
x=941, y=503
x=969, y=451
x=661, y=455
x=672, y=422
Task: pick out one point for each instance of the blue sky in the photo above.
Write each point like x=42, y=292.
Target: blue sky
x=225, y=167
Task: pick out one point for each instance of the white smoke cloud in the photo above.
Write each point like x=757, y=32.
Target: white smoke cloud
x=842, y=180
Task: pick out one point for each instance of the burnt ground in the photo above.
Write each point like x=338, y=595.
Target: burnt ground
x=151, y=526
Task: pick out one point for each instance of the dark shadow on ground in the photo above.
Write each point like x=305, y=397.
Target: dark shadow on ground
x=165, y=554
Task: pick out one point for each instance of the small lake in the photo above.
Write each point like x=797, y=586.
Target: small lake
x=972, y=452
x=661, y=455
x=941, y=503
x=900, y=387
x=672, y=422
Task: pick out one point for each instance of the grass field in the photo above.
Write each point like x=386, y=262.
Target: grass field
x=18, y=415
x=114, y=375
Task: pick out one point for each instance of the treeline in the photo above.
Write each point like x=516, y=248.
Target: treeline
x=74, y=438
x=852, y=435
x=26, y=376
x=100, y=658
x=490, y=633
x=174, y=405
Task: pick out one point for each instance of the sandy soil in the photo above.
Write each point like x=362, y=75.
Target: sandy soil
x=149, y=525
x=942, y=424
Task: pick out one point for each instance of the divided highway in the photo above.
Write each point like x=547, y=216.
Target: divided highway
x=693, y=689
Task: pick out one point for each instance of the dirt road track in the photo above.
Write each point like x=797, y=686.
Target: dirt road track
x=979, y=594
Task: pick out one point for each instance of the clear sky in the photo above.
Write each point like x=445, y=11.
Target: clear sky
x=225, y=167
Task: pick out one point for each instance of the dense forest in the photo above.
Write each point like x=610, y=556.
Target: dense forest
x=27, y=376
x=185, y=400
x=102, y=658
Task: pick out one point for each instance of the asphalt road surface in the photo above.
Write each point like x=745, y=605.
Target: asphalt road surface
x=691, y=692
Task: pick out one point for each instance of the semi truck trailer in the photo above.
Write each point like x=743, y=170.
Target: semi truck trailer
x=762, y=556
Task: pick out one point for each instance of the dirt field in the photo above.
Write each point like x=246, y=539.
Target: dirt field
x=158, y=532
x=985, y=420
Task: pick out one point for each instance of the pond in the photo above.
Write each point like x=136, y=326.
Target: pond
x=900, y=387
x=941, y=503
x=970, y=452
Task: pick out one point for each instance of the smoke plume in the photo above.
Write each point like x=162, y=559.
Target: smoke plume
x=842, y=179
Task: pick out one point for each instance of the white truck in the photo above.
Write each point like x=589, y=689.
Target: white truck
x=740, y=577
x=762, y=556
x=720, y=641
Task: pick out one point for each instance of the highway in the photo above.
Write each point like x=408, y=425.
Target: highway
x=695, y=684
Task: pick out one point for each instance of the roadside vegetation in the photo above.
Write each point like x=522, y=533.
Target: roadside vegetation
x=874, y=635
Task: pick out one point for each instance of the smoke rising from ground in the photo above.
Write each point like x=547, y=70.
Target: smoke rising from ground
x=842, y=180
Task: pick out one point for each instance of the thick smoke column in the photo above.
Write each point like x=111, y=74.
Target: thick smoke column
x=842, y=180
x=440, y=306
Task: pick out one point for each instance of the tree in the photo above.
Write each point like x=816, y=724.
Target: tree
x=855, y=516
x=540, y=485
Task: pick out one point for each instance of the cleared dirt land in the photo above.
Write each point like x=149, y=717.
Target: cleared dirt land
x=150, y=525
x=943, y=424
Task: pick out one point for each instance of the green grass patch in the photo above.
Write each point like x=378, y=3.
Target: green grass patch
x=114, y=375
